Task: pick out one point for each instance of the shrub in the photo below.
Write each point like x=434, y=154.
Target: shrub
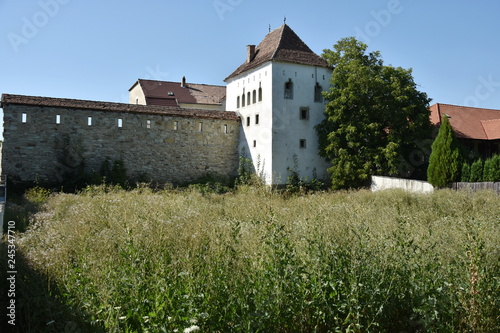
x=465, y=172
x=476, y=171
x=445, y=159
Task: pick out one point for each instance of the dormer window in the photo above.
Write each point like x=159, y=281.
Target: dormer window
x=289, y=89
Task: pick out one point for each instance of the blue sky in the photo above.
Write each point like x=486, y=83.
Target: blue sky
x=97, y=49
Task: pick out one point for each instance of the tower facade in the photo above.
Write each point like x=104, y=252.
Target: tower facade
x=277, y=93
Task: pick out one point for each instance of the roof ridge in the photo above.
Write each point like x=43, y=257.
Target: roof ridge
x=198, y=84
x=465, y=107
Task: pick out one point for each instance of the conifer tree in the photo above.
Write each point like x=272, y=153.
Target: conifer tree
x=476, y=171
x=445, y=159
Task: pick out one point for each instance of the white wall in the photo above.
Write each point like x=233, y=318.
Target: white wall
x=136, y=95
x=380, y=183
x=261, y=133
x=280, y=128
x=289, y=128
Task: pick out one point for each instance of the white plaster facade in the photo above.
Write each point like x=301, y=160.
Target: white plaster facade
x=278, y=133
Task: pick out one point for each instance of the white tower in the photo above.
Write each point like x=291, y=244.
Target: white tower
x=277, y=92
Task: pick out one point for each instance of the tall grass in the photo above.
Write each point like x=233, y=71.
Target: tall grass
x=255, y=261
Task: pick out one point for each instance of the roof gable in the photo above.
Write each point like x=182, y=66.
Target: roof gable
x=469, y=122
x=282, y=45
x=174, y=93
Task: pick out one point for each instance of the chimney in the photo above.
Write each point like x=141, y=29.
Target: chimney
x=250, y=52
x=183, y=82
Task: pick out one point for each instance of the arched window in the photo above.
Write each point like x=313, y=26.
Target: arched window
x=249, y=101
x=318, y=97
x=289, y=89
x=260, y=94
x=238, y=102
x=254, y=99
x=243, y=100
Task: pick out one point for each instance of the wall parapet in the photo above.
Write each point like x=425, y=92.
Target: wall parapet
x=8, y=99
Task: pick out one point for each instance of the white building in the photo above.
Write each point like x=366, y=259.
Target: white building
x=277, y=92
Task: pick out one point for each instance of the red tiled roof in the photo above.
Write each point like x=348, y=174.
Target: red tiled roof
x=116, y=107
x=165, y=93
x=282, y=45
x=468, y=122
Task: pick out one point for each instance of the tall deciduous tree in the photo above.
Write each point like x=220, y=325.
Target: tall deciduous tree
x=445, y=160
x=376, y=119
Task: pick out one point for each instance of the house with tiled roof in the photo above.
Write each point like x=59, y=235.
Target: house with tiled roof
x=478, y=129
x=277, y=91
x=179, y=94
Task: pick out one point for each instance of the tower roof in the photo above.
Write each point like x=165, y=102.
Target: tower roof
x=282, y=45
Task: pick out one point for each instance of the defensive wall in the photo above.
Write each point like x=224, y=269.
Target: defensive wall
x=45, y=137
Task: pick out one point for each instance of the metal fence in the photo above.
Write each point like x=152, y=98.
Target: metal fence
x=495, y=186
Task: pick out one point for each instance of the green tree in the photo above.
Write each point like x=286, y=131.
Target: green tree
x=445, y=160
x=375, y=118
x=465, y=172
x=476, y=171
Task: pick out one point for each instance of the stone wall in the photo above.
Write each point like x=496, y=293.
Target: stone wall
x=44, y=137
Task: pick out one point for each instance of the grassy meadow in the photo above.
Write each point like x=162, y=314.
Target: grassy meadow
x=256, y=260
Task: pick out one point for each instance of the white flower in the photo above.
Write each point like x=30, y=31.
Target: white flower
x=191, y=329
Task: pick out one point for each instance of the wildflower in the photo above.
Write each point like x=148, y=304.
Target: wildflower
x=191, y=329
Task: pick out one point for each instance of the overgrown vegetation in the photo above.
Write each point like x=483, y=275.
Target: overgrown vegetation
x=254, y=261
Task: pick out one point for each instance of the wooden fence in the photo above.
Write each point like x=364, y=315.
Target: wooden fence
x=477, y=186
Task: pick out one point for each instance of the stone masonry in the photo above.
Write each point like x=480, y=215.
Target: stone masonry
x=44, y=137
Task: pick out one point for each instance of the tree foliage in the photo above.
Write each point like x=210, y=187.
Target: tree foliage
x=445, y=160
x=375, y=117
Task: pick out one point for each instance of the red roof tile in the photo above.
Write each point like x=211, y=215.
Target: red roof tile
x=469, y=122
x=116, y=107
x=163, y=92
x=282, y=45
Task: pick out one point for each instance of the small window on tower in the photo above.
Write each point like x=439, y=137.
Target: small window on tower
x=120, y=122
x=24, y=118
x=58, y=119
x=176, y=125
x=254, y=99
x=289, y=89
x=318, y=97
x=256, y=119
x=260, y=94
x=304, y=113
x=248, y=121
x=225, y=129
x=302, y=143
x=89, y=121
x=238, y=102
x=254, y=143
x=248, y=98
x=148, y=123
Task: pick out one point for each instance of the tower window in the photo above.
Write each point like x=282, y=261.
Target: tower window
x=289, y=89
x=248, y=121
x=243, y=100
x=58, y=119
x=248, y=98
x=89, y=121
x=304, y=113
x=254, y=143
x=200, y=126
x=238, y=102
x=120, y=122
x=225, y=129
x=302, y=143
x=254, y=99
x=148, y=123
x=260, y=94
x=318, y=98
x=256, y=119
x=176, y=125
x=24, y=118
